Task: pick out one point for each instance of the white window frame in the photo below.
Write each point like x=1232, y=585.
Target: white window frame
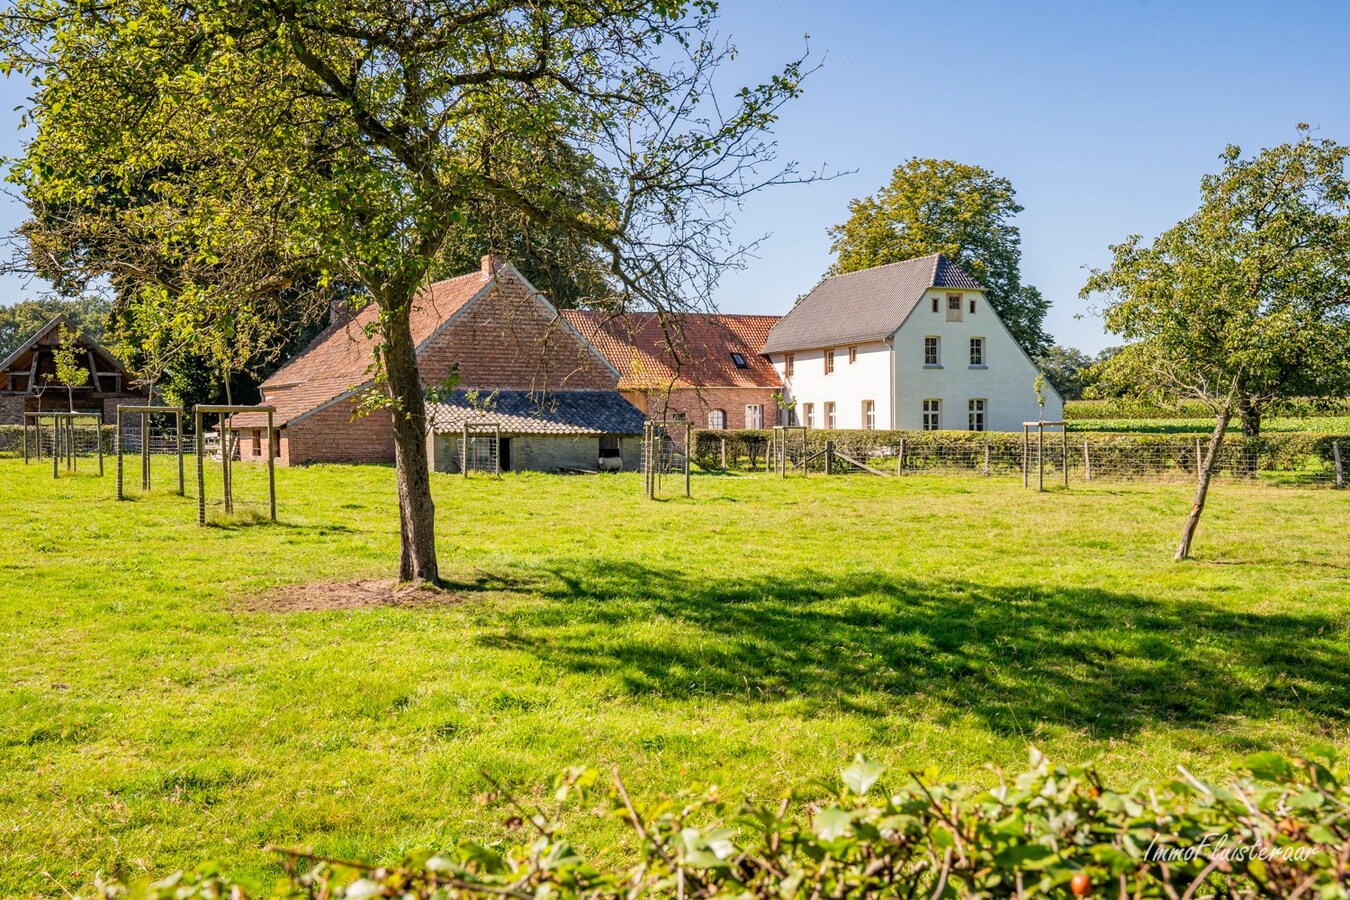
x=932, y=414
x=982, y=361
x=754, y=415
x=852, y=355
x=831, y=419
x=869, y=415
x=788, y=360
x=936, y=356
x=717, y=419
x=809, y=415
x=829, y=362
x=977, y=414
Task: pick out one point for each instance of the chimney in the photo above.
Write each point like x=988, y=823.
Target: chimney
x=492, y=263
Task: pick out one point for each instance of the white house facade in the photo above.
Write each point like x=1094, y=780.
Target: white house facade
x=911, y=345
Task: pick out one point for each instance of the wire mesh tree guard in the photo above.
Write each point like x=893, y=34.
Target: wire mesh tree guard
x=224, y=416
x=1040, y=427
x=144, y=438
x=480, y=448
x=789, y=450
x=65, y=437
x=663, y=456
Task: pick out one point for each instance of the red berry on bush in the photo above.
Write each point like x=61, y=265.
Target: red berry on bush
x=1081, y=885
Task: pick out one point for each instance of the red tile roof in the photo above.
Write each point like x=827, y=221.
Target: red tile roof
x=692, y=350
x=339, y=359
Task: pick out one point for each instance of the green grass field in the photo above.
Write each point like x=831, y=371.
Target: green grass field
x=154, y=713
x=1276, y=425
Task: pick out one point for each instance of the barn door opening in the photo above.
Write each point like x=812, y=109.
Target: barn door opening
x=504, y=454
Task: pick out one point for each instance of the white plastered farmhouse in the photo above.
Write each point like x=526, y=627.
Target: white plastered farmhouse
x=910, y=345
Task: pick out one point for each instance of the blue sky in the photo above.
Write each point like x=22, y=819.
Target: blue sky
x=1103, y=115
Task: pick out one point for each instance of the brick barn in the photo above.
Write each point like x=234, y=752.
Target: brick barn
x=705, y=367
x=28, y=379
x=491, y=327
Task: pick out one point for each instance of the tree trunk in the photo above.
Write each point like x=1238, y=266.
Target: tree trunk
x=1202, y=488
x=417, y=513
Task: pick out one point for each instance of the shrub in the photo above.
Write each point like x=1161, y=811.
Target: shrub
x=1133, y=408
x=1281, y=831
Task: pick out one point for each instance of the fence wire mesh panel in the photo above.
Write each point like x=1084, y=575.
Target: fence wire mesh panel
x=1292, y=459
x=666, y=457
x=71, y=442
x=229, y=490
x=480, y=449
x=149, y=445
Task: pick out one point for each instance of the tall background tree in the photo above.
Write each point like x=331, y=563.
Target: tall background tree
x=87, y=313
x=1244, y=303
x=374, y=129
x=962, y=211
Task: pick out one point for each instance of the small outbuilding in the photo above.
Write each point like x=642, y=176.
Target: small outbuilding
x=28, y=381
x=519, y=431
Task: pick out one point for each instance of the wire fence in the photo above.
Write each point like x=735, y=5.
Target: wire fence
x=1293, y=459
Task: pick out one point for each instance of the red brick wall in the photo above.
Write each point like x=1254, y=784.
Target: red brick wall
x=696, y=403
x=507, y=339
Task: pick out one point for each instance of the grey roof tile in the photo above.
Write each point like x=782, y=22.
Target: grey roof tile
x=531, y=412
x=866, y=305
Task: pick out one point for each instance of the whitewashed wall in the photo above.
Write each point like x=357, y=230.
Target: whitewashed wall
x=1005, y=383
x=849, y=385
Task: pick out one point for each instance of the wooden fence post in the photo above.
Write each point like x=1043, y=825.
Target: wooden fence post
x=900, y=460
x=829, y=457
x=724, y=454
x=1040, y=458
x=1199, y=462
x=118, y=438
x=1087, y=462
x=1026, y=451
x=199, y=426
x=986, y=459
x=1340, y=471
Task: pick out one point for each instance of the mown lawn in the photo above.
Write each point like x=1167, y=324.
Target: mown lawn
x=761, y=634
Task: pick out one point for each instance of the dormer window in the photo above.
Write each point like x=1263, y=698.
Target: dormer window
x=739, y=360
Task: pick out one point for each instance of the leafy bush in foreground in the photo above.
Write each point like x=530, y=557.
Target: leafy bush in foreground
x=1283, y=831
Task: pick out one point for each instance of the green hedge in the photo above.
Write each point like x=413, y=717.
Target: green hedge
x=1282, y=831
x=1113, y=454
x=1132, y=408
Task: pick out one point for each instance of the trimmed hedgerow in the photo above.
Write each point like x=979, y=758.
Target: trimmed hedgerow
x=1135, y=408
x=1283, y=831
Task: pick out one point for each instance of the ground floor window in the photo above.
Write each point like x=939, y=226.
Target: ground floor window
x=829, y=415
x=717, y=419
x=869, y=415
x=754, y=415
x=977, y=415
x=257, y=442
x=809, y=415
x=610, y=447
x=932, y=415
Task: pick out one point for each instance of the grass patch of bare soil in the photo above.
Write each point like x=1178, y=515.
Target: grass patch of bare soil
x=326, y=596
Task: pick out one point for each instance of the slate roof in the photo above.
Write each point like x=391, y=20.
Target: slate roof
x=339, y=359
x=692, y=350
x=530, y=412
x=867, y=305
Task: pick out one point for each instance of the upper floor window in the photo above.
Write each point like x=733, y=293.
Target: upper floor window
x=829, y=415
x=829, y=362
x=977, y=351
x=976, y=409
x=852, y=355
x=788, y=360
x=717, y=419
x=953, y=307
x=932, y=415
x=972, y=306
x=739, y=360
x=931, y=346
x=754, y=415
x=809, y=415
x=937, y=303
x=869, y=412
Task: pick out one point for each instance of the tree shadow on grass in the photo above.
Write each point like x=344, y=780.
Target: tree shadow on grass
x=1108, y=664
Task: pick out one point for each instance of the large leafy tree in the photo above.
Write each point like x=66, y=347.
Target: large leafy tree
x=962, y=211
x=379, y=127
x=87, y=313
x=1247, y=301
